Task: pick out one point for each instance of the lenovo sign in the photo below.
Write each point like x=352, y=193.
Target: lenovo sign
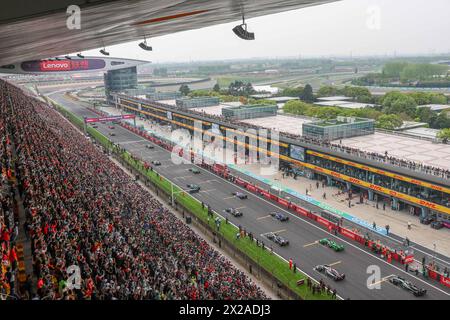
x=55, y=66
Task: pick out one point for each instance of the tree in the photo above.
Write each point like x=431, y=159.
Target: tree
x=216, y=87
x=327, y=91
x=239, y=88
x=296, y=107
x=442, y=121
x=395, y=102
x=307, y=94
x=444, y=134
x=292, y=92
x=425, y=114
x=389, y=122
x=184, y=89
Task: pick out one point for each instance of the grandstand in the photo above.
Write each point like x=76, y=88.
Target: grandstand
x=83, y=209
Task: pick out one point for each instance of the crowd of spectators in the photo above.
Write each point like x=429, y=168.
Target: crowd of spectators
x=83, y=210
x=8, y=216
x=384, y=158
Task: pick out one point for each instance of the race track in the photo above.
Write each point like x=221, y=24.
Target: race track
x=301, y=233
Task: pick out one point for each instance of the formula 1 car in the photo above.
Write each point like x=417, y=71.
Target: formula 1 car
x=405, y=284
x=156, y=162
x=331, y=244
x=194, y=170
x=111, y=127
x=277, y=239
x=149, y=146
x=112, y=134
x=330, y=272
x=193, y=188
x=235, y=212
x=239, y=195
x=279, y=216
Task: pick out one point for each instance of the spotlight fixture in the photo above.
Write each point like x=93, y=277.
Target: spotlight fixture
x=144, y=45
x=104, y=52
x=241, y=31
x=79, y=55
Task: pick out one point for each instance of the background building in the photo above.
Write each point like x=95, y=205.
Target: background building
x=249, y=111
x=119, y=80
x=341, y=127
x=201, y=102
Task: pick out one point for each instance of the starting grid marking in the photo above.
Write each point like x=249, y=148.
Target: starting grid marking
x=335, y=263
x=260, y=218
x=182, y=178
x=311, y=244
x=274, y=232
x=209, y=190
x=381, y=281
x=207, y=181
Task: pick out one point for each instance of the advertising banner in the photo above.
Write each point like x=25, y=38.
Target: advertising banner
x=283, y=202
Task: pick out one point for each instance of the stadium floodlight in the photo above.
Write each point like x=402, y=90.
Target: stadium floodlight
x=144, y=45
x=104, y=52
x=79, y=55
x=241, y=31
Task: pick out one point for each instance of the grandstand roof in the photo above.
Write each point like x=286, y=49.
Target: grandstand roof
x=39, y=29
x=401, y=146
x=344, y=104
x=334, y=98
x=281, y=123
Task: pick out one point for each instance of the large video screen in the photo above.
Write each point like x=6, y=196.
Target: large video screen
x=297, y=152
x=63, y=65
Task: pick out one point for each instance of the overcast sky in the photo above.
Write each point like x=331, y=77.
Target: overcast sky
x=348, y=27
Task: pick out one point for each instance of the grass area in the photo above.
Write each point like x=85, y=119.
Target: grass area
x=263, y=257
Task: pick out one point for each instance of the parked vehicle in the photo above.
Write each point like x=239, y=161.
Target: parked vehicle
x=437, y=225
x=426, y=220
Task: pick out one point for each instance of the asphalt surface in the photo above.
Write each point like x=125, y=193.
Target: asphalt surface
x=301, y=232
